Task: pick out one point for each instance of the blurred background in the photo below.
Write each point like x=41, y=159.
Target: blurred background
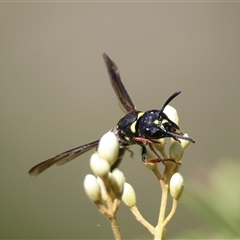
x=55, y=95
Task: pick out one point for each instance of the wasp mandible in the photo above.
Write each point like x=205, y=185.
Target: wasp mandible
x=136, y=127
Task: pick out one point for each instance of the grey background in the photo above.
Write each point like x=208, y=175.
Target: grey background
x=55, y=95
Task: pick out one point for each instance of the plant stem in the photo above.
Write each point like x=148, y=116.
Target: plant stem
x=104, y=210
x=142, y=220
x=115, y=228
x=172, y=213
x=163, y=206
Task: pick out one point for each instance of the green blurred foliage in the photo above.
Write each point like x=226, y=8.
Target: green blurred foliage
x=215, y=199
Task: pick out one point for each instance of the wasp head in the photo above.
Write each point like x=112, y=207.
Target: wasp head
x=167, y=126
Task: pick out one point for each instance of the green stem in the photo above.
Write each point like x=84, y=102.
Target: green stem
x=172, y=213
x=163, y=207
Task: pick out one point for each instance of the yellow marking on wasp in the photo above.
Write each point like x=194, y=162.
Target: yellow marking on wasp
x=164, y=120
x=127, y=138
x=133, y=125
x=157, y=122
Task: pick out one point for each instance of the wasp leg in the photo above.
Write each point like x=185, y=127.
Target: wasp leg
x=164, y=160
x=130, y=151
x=146, y=141
x=144, y=151
x=159, y=159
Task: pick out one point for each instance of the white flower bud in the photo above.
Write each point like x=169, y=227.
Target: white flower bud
x=104, y=193
x=171, y=112
x=176, y=185
x=176, y=151
x=92, y=187
x=184, y=143
x=117, y=181
x=129, y=196
x=108, y=147
x=150, y=165
x=100, y=167
x=150, y=154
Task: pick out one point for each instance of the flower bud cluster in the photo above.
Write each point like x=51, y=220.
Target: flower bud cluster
x=106, y=184
x=176, y=151
x=175, y=154
x=107, y=187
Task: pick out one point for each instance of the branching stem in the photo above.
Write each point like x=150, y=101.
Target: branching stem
x=163, y=206
x=142, y=220
x=172, y=213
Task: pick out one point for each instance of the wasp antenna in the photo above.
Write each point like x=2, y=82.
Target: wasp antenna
x=106, y=57
x=174, y=135
x=109, y=62
x=169, y=100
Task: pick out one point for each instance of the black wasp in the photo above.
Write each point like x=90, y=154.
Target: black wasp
x=136, y=127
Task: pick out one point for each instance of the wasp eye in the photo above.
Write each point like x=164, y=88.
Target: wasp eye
x=170, y=126
x=167, y=126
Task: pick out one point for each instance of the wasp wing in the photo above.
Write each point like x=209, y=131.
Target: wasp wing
x=67, y=156
x=62, y=158
x=117, y=84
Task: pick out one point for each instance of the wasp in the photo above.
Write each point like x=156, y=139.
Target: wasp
x=136, y=127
